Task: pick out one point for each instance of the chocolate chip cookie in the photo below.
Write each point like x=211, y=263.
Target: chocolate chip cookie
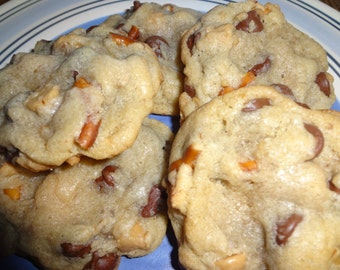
x=91, y=213
x=254, y=184
x=249, y=43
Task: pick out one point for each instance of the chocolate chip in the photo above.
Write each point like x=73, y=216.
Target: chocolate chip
x=261, y=67
x=13, y=59
x=251, y=24
x=333, y=187
x=106, y=179
x=192, y=40
x=303, y=105
x=323, y=83
x=155, y=202
x=89, y=29
x=286, y=228
x=10, y=154
x=136, y=5
x=167, y=146
x=119, y=26
x=70, y=250
x=75, y=74
x=134, y=8
x=284, y=90
x=256, y=104
x=155, y=43
x=107, y=262
x=319, y=139
x=5, y=110
x=190, y=90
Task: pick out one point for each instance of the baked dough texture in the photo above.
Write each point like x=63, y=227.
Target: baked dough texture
x=161, y=26
x=249, y=43
x=94, y=211
x=254, y=184
x=87, y=97
x=253, y=180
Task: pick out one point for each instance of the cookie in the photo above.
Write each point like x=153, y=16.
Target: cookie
x=92, y=212
x=248, y=43
x=161, y=27
x=88, y=97
x=254, y=184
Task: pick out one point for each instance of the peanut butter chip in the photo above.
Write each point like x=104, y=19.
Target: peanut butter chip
x=46, y=98
x=233, y=262
x=73, y=160
x=134, y=240
x=7, y=170
x=286, y=228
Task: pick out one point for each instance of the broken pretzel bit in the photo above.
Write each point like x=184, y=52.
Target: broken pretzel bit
x=189, y=158
x=88, y=134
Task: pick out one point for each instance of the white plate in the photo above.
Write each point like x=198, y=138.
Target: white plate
x=23, y=22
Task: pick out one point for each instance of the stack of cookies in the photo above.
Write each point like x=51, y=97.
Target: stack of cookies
x=250, y=181
x=82, y=165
